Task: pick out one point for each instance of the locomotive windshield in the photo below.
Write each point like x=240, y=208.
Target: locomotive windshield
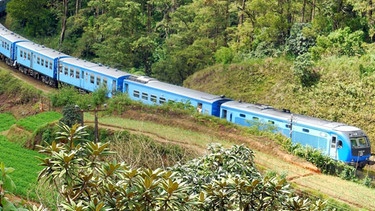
x=359, y=142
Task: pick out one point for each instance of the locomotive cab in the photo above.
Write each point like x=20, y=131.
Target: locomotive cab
x=359, y=147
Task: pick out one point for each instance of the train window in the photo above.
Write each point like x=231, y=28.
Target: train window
x=288, y=126
x=50, y=65
x=145, y=96
x=136, y=93
x=271, y=122
x=153, y=98
x=46, y=64
x=92, y=78
x=42, y=62
x=105, y=82
x=65, y=71
x=77, y=74
x=38, y=60
x=21, y=53
x=255, y=118
x=7, y=46
x=305, y=130
x=71, y=72
x=98, y=80
x=162, y=100
x=28, y=56
x=339, y=144
x=2, y=44
x=242, y=115
x=24, y=54
x=359, y=142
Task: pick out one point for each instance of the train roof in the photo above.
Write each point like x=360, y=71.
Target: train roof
x=94, y=67
x=11, y=36
x=40, y=49
x=285, y=114
x=179, y=90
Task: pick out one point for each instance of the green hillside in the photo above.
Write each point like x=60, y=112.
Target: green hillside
x=341, y=94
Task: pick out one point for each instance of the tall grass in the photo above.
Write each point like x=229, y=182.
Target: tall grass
x=142, y=151
x=13, y=87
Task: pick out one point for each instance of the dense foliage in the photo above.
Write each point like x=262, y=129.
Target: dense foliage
x=225, y=179
x=173, y=39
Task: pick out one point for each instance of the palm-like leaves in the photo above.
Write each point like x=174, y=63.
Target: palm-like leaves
x=226, y=179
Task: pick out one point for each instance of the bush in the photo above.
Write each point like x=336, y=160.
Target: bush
x=340, y=42
x=299, y=42
x=224, y=55
x=303, y=68
x=225, y=179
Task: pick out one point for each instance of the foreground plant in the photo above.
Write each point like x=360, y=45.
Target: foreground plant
x=225, y=179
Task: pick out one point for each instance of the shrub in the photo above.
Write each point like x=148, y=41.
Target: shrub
x=224, y=179
x=303, y=68
x=340, y=42
x=299, y=42
x=224, y=55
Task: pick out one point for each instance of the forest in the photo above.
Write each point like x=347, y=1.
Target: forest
x=171, y=40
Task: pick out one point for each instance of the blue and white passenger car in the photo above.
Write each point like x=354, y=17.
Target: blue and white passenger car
x=8, y=41
x=152, y=91
x=90, y=76
x=336, y=140
x=31, y=57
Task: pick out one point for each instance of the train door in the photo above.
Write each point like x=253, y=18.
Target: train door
x=31, y=60
x=126, y=90
x=224, y=114
x=114, y=86
x=333, y=147
x=82, y=79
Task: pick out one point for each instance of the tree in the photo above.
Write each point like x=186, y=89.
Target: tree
x=63, y=20
x=71, y=115
x=23, y=15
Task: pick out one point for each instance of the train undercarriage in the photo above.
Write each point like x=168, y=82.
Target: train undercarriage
x=38, y=76
x=27, y=71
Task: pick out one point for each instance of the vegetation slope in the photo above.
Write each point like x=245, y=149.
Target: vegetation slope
x=341, y=94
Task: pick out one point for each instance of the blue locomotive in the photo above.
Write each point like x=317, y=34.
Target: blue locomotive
x=336, y=140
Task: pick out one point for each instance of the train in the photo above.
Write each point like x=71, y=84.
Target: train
x=337, y=140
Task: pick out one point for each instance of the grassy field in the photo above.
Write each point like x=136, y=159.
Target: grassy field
x=7, y=120
x=34, y=122
x=23, y=160
x=26, y=167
